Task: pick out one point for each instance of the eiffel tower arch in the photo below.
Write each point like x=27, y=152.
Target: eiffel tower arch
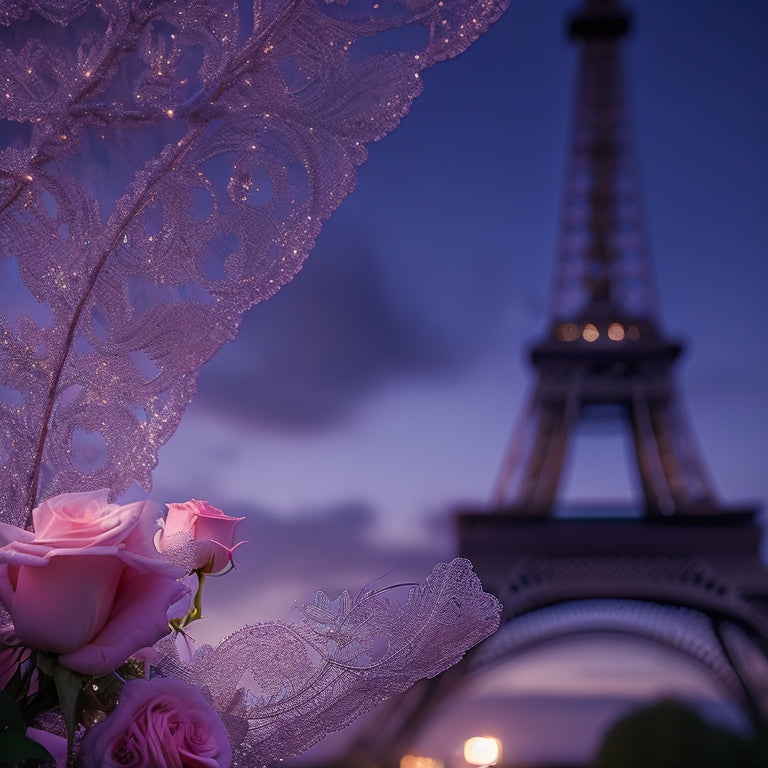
x=685, y=571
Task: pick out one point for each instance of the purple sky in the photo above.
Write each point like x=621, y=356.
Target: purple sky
x=379, y=388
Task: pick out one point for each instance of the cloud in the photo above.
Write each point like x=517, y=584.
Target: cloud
x=288, y=558
x=304, y=358
x=330, y=541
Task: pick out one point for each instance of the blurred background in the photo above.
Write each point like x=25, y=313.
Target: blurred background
x=376, y=393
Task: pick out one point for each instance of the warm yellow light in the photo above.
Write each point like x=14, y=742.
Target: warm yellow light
x=567, y=332
x=482, y=750
x=615, y=331
x=590, y=332
x=419, y=761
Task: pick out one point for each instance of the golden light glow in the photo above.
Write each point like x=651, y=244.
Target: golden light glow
x=419, y=761
x=590, y=332
x=567, y=332
x=482, y=750
x=615, y=331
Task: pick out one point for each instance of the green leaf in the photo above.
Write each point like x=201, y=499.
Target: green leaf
x=44, y=699
x=68, y=685
x=46, y=662
x=197, y=604
x=11, y=718
x=15, y=747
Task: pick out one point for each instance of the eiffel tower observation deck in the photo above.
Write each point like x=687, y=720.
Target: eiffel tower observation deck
x=605, y=355
x=685, y=570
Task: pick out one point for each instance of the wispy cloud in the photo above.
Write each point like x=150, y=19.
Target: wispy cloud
x=288, y=558
x=336, y=333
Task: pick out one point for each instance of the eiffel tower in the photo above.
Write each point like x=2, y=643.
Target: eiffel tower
x=685, y=571
x=605, y=355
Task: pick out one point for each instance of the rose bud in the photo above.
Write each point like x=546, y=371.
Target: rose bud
x=202, y=533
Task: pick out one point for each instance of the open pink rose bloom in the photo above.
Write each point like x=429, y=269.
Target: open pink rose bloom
x=162, y=722
x=88, y=584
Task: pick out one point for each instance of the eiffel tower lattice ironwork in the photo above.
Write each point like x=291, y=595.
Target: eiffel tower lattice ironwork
x=605, y=352
x=686, y=572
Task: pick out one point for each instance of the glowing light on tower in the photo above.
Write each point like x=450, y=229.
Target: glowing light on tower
x=615, y=331
x=482, y=750
x=590, y=332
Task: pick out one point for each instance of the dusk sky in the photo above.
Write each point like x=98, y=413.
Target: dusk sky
x=379, y=388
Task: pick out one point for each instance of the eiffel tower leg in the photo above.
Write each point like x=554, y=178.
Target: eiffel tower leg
x=512, y=456
x=684, y=469
x=671, y=473
x=541, y=475
x=553, y=421
x=754, y=703
x=656, y=493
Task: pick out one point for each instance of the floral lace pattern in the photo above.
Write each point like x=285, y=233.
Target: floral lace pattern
x=167, y=165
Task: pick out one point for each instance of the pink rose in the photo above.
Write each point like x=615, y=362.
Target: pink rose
x=160, y=722
x=206, y=531
x=88, y=584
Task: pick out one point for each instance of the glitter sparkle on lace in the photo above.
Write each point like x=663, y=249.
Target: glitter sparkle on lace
x=168, y=165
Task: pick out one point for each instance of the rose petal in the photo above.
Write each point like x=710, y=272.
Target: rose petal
x=10, y=533
x=179, y=518
x=222, y=557
x=140, y=540
x=70, y=518
x=56, y=745
x=52, y=596
x=138, y=619
x=184, y=605
x=6, y=588
x=154, y=720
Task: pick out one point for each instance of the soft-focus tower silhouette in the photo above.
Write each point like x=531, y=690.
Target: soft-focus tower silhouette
x=683, y=571
x=605, y=354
